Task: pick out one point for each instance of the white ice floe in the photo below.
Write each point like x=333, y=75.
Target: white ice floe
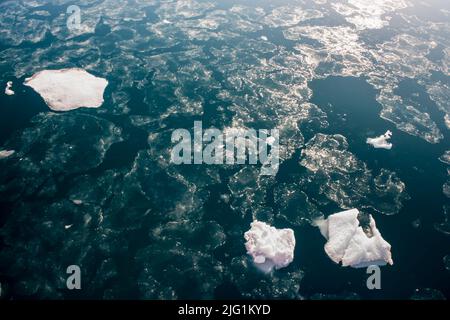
x=6, y=154
x=8, y=90
x=381, y=141
x=68, y=89
x=269, y=247
x=350, y=244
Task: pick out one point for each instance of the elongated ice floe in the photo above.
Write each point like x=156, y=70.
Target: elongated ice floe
x=352, y=245
x=269, y=247
x=8, y=90
x=68, y=89
x=6, y=154
x=381, y=141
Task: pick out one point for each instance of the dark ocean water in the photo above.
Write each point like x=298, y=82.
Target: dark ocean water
x=143, y=232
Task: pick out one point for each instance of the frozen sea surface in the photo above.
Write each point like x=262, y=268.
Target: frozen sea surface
x=95, y=187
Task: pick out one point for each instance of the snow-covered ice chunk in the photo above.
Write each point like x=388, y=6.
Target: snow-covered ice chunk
x=269, y=247
x=8, y=90
x=68, y=89
x=6, y=153
x=352, y=245
x=381, y=141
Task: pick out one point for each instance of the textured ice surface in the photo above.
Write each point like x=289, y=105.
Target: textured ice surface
x=167, y=62
x=8, y=89
x=346, y=51
x=55, y=144
x=259, y=285
x=170, y=260
x=68, y=89
x=290, y=16
x=368, y=14
x=381, y=141
x=293, y=205
x=439, y=92
x=270, y=247
x=340, y=177
x=352, y=245
x=249, y=190
x=265, y=80
x=446, y=186
x=445, y=158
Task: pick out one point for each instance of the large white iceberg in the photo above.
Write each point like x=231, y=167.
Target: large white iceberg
x=350, y=244
x=269, y=247
x=68, y=89
x=8, y=90
x=381, y=141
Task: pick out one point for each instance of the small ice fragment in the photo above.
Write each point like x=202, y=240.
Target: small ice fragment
x=348, y=242
x=225, y=198
x=77, y=202
x=6, y=153
x=68, y=226
x=270, y=141
x=68, y=89
x=8, y=89
x=264, y=38
x=416, y=223
x=269, y=247
x=381, y=141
